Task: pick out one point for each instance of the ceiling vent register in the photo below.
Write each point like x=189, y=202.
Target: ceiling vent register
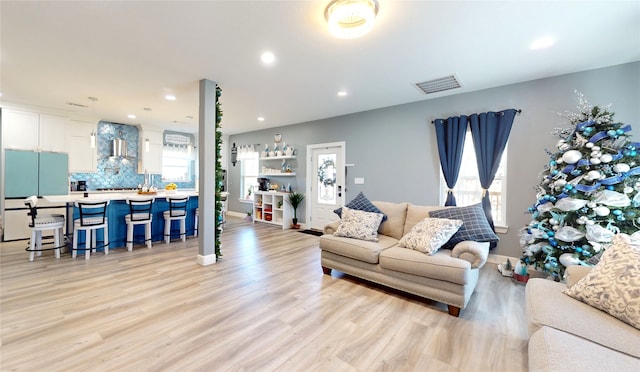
x=439, y=85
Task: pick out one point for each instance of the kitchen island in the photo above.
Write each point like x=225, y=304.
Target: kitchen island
x=118, y=209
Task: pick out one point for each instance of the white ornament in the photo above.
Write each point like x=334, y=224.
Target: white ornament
x=621, y=168
x=555, y=228
x=589, y=145
x=567, y=259
x=628, y=190
x=559, y=160
x=590, y=222
x=564, y=147
x=595, y=148
x=561, y=182
x=572, y=156
x=591, y=204
x=601, y=211
x=594, y=161
x=593, y=175
x=606, y=158
x=553, y=221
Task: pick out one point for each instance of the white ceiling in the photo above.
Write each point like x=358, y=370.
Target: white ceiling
x=130, y=54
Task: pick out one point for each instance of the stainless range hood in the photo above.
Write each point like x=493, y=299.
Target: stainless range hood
x=119, y=148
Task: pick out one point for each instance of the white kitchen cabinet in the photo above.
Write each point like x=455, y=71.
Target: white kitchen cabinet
x=25, y=130
x=53, y=133
x=152, y=159
x=82, y=157
x=20, y=129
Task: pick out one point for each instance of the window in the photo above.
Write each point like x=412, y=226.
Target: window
x=177, y=157
x=468, y=190
x=249, y=169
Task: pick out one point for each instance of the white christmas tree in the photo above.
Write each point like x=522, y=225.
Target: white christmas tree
x=589, y=191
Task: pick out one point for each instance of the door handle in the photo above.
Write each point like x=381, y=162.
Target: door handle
x=339, y=191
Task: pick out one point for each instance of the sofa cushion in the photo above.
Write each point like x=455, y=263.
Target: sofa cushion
x=613, y=285
x=415, y=214
x=359, y=225
x=475, y=226
x=439, y=266
x=546, y=305
x=428, y=235
x=361, y=203
x=357, y=249
x=553, y=350
x=396, y=214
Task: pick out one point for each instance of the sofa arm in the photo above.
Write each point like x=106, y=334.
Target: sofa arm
x=474, y=252
x=574, y=273
x=331, y=228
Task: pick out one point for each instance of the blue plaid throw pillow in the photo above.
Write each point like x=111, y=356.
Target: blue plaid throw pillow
x=361, y=203
x=474, y=224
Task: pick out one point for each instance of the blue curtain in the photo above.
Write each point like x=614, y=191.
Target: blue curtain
x=450, y=135
x=490, y=132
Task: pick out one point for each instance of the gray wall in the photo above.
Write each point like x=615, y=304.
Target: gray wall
x=394, y=149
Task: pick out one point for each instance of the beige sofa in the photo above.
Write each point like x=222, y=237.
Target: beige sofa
x=448, y=276
x=568, y=335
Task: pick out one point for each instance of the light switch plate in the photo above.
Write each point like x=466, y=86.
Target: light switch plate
x=358, y=181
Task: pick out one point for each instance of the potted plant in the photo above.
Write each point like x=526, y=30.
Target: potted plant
x=295, y=199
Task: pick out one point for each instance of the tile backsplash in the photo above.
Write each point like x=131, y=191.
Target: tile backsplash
x=119, y=172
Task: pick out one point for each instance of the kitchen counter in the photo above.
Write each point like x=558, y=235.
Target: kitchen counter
x=118, y=208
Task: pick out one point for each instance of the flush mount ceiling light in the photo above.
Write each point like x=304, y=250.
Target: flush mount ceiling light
x=350, y=19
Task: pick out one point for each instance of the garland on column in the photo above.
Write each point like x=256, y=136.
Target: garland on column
x=219, y=217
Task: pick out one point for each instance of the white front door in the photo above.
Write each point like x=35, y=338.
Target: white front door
x=325, y=180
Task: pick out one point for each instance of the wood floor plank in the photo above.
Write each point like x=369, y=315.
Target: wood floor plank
x=265, y=306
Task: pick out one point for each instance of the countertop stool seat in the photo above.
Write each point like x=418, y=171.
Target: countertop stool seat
x=40, y=223
x=177, y=212
x=139, y=214
x=93, y=217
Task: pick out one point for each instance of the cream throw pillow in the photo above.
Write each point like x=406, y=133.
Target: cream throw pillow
x=613, y=285
x=359, y=224
x=428, y=235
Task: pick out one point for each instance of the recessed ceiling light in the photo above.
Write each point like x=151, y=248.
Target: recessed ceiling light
x=342, y=93
x=170, y=97
x=541, y=43
x=131, y=116
x=268, y=58
x=260, y=118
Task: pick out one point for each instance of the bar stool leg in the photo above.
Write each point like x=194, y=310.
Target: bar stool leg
x=147, y=234
x=39, y=243
x=167, y=230
x=94, y=235
x=89, y=243
x=130, y=228
x=195, y=223
x=106, y=239
x=74, y=249
x=56, y=234
x=183, y=230
x=32, y=245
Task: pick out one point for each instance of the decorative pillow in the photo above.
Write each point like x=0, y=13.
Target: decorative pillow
x=475, y=225
x=613, y=285
x=428, y=235
x=359, y=225
x=361, y=203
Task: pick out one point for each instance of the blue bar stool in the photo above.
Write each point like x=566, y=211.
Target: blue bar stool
x=139, y=214
x=177, y=212
x=40, y=223
x=93, y=217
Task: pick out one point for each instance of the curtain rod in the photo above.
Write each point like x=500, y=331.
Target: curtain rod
x=518, y=112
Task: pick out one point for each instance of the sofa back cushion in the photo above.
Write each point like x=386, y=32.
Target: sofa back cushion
x=396, y=214
x=415, y=214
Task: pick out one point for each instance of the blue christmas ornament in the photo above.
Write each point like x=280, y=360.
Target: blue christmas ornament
x=578, y=249
x=610, y=187
x=620, y=218
x=616, y=212
x=554, y=172
x=619, y=132
x=612, y=133
x=633, y=153
x=547, y=266
x=553, y=163
x=631, y=214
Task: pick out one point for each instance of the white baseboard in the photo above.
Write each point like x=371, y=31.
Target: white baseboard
x=207, y=260
x=236, y=214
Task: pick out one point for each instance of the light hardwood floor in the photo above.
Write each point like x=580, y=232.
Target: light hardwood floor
x=266, y=306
